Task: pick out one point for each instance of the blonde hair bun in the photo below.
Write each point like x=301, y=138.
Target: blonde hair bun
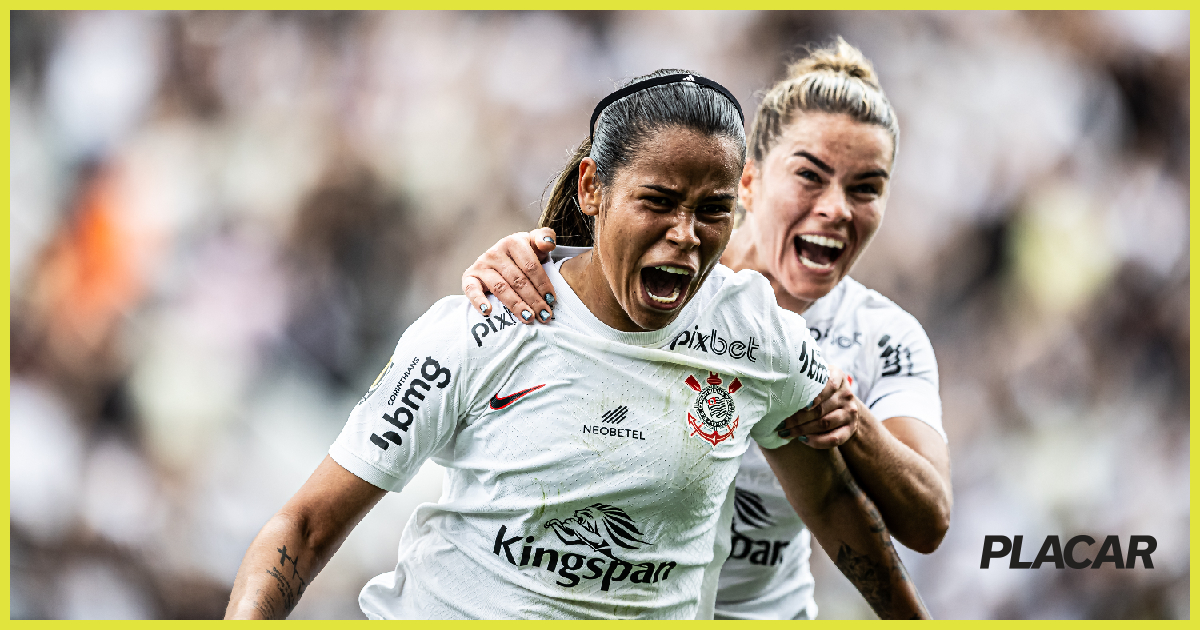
x=836, y=80
x=839, y=58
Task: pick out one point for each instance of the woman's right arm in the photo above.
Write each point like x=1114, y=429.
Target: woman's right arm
x=846, y=524
x=817, y=484
x=298, y=541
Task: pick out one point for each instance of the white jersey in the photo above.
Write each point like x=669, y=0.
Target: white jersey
x=587, y=470
x=886, y=352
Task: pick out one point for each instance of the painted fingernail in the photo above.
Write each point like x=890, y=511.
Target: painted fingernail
x=485, y=307
x=548, y=239
x=785, y=433
x=550, y=299
x=803, y=438
x=525, y=315
x=780, y=427
x=545, y=315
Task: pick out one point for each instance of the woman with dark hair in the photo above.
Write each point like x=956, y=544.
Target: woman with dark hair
x=815, y=186
x=589, y=462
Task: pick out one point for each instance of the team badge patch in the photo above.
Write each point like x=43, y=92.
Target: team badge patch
x=378, y=379
x=712, y=415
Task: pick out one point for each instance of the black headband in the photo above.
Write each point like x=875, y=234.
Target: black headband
x=656, y=81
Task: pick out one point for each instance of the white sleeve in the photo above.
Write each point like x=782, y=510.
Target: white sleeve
x=413, y=408
x=801, y=360
x=906, y=381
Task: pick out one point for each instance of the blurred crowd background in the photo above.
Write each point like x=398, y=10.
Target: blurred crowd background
x=221, y=223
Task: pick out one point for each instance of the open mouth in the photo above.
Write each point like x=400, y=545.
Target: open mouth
x=818, y=253
x=665, y=285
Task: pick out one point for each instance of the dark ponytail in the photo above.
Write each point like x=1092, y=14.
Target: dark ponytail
x=620, y=131
x=563, y=214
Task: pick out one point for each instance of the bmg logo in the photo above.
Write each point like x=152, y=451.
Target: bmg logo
x=431, y=372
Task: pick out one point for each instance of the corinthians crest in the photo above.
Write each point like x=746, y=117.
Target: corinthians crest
x=712, y=414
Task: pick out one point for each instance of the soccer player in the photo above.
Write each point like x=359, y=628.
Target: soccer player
x=590, y=462
x=815, y=186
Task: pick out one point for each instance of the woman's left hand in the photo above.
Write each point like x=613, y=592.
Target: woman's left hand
x=832, y=419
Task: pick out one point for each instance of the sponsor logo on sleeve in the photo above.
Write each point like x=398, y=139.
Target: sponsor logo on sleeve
x=596, y=535
x=812, y=364
x=400, y=383
x=710, y=342
x=492, y=324
x=712, y=415
x=897, y=358
x=431, y=374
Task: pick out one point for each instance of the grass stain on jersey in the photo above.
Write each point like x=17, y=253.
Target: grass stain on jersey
x=537, y=514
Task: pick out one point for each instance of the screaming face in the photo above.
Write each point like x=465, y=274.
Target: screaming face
x=815, y=202
x=661, y=225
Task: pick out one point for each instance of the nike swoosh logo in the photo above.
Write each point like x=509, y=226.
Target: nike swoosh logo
x=499, y=402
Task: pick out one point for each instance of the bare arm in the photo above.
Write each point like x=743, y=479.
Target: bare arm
x=902, y=463
x=847, y=526
x=298, y=541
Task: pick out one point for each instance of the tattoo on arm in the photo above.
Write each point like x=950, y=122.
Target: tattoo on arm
x=263, y=606
x=870, y=577
x=288, y=588
x=873, y=579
